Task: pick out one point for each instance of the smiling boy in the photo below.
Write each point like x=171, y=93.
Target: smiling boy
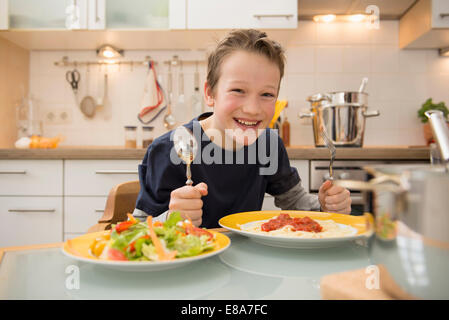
x=243, y=80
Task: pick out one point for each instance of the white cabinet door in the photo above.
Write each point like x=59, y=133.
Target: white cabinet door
x=96, y=14
x=48, y=14
x=31, y=177
x=4, y=17
x=81, y=213
x=97, y=177
x=230, y=14
x=177, y=14
x=303, y=170
x=440, y=14
x=30, y=220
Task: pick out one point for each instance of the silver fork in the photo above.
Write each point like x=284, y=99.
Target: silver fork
x=332, y=150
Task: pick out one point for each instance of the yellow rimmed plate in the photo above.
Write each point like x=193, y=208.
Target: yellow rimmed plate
x=361, y=227
x=79, y=249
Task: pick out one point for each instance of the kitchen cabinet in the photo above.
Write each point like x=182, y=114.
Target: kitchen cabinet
x=90, y=14
x=86, y=186
x=81, y=213
x=44, y=14
x=31, y=198
x=31, y=178
x=425, y=25
x=259, y=14
x=30, y=220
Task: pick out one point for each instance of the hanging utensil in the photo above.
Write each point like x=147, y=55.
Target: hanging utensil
x=106, y=103
x=73, y=78
x=147, y=103
x=169, y=119
x=196, y=99
x=186, y=148
x=88, y=104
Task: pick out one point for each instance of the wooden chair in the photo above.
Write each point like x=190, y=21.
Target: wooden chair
x=121, y=200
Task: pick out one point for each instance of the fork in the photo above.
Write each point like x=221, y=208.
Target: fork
x=332, y=150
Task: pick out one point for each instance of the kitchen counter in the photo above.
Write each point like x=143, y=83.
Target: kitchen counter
x=294, y=152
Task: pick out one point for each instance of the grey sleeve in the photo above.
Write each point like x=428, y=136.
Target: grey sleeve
x=297, y=198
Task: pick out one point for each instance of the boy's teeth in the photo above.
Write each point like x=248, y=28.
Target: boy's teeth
x=247, y=123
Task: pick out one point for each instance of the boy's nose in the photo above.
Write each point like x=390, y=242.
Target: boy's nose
x=251, y=106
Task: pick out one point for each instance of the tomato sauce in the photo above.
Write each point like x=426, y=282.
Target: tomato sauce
x=298, y=224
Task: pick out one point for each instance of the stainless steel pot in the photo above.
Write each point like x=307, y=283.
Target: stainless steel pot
x=342, y=115
x=411, y=209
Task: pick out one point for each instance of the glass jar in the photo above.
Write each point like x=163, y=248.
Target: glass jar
x=130, y=137
x=147, y=136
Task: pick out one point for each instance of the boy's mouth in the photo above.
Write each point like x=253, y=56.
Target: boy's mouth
x=246, y=124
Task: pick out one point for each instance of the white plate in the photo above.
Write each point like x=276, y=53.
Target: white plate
x=231, y=222
x=77, y=249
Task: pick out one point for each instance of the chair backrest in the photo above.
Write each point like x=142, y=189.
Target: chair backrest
x=121, y=200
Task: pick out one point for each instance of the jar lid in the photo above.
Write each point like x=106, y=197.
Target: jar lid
x=147, y=128
x=131, y=127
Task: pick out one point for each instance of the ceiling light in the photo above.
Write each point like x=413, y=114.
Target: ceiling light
x=109, y=52
x=340, y=18
x=444, y=52
x=324, y=18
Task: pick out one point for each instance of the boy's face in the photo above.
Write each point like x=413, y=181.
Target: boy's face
x=245, y=95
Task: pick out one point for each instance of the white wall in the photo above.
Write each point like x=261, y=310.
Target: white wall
x=320, y=58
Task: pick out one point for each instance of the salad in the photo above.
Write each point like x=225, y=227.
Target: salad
x=133, y=240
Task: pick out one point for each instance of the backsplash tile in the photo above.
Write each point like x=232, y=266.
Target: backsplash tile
x=320, y=58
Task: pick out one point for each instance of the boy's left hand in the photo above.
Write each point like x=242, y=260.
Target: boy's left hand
x=334, y=198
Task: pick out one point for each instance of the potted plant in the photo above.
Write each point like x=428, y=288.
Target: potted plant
x=426, y=106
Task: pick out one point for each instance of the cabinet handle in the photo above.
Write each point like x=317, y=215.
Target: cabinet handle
x=13, y=172
x=31, y=210
x=116, y=172
x=99, y=210
x=97, y=18
x=287, y=16
x=444, y=15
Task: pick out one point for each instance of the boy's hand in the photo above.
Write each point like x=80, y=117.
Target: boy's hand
x=187, y=200
x=334, y=198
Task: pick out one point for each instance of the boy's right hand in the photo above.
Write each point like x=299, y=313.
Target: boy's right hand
x=187, y=201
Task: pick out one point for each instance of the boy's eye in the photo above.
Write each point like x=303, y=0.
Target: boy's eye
x=269, y=95
x=237, y=90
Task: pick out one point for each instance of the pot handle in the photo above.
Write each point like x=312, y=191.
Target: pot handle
x=440, y=131
x=369, y=114
x=302, y=115
x=368, y=185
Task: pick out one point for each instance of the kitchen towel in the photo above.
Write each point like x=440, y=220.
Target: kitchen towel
x=361, y=284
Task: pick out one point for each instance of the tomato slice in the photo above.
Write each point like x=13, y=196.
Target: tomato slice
x=122, y=226
x=115, y=254
x=199, y=232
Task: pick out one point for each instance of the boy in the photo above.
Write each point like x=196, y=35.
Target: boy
x=242, y=86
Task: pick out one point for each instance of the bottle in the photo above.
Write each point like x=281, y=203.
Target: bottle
x=286, y=132
x=147, y=136
x=130, y=137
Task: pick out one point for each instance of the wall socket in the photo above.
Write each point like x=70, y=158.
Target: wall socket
x=58, y=116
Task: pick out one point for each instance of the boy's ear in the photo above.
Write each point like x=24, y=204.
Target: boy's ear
x=208, y=95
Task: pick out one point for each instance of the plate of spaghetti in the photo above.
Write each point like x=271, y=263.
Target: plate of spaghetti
x=299, y=229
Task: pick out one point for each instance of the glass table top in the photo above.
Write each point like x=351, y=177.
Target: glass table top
x=246, y=270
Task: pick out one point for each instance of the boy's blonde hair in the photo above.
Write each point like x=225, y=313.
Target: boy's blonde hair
x=249, y=40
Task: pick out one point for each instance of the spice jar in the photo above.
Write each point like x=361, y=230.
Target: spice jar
x=130, y=137
x=147, y=136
